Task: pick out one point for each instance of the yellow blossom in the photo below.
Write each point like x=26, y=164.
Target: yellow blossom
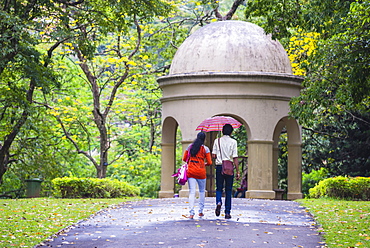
x=112, y=60
x=131, y=63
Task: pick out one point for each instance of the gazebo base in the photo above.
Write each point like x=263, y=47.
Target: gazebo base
x=260, y=194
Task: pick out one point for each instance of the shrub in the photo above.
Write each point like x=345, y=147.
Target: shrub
x=73, y=187
x=349, y=188
x=311, y=179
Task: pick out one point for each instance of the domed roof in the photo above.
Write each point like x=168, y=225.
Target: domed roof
x=230, y=46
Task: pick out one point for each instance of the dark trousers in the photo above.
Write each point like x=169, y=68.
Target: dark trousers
x=224, y=182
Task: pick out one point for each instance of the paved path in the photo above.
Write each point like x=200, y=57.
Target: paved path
x=163, y=223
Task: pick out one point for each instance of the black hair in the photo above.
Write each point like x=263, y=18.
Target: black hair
x=198, y=142
x=227, y=129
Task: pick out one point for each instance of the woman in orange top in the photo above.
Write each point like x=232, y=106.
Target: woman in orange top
x=199, y=153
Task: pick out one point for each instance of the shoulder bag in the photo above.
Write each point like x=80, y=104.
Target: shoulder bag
x=227, y=165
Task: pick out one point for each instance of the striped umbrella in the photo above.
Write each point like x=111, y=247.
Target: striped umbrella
x=216, y=123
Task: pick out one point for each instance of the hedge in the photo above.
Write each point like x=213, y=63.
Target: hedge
x=73, y=187
x=349, y=188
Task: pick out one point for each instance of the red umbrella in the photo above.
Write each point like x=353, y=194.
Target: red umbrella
x=216, y=123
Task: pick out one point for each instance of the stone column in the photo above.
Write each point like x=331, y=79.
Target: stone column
x=260, y=179
x=275, y=166
x=167, y=169
x=294, y=172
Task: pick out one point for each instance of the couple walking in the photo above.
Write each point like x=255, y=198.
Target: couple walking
x=224, y=149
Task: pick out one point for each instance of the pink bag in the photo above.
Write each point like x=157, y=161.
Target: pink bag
x=182, y=175
x=182, y=172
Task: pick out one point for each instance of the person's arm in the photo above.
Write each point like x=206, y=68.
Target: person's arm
x=185, y=157
x=236, y=162
x=235, y=158
x=214, y=151
x=208, y=159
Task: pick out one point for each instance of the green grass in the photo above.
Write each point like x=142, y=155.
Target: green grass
x=344, y=223
x=27, y=222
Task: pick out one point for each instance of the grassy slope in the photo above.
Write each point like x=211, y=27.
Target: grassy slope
x=27, y=222
x=344, y=223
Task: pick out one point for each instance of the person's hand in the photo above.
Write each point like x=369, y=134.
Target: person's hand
x=237, y=175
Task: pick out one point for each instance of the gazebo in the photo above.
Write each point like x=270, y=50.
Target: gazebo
x=233, y=68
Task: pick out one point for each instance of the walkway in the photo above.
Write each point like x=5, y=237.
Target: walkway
x=162, y=223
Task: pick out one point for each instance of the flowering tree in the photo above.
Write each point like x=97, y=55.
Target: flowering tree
x=331, y=51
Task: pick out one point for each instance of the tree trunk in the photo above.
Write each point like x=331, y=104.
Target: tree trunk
x=9, y=139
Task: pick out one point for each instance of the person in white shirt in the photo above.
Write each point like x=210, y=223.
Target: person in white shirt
x=225, y=148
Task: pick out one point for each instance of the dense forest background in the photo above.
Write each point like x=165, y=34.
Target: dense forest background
x=79, y=97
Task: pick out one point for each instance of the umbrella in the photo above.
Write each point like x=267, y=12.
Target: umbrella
x=216, y=123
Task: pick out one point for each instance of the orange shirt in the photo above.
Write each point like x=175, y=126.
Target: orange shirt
x=197, y=165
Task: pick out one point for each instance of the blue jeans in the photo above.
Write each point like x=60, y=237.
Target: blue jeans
x=202, y=193
x=224, y=181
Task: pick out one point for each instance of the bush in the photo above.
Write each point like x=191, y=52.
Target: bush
x=348, y=188
x=73, y=187
x=312, y=179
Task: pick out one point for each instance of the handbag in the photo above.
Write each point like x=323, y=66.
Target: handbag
x=227, y=165
x=182, y=172
x=182, y=175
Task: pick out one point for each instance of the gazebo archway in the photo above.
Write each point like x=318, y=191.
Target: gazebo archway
x=233, y=68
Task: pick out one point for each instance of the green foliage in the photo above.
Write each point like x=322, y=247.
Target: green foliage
x=310, y=180
x=357, y=188
x=142, y=170
x=27, y=222
x=331, y=50
x=342, y=223
x=73, y=187
x=276, y=17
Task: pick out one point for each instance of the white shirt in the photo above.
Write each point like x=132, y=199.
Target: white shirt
x=229, y=149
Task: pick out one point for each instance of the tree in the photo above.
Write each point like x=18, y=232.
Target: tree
x=334, y=106
x=24, y=70
x=123, y=58
x=112, y=49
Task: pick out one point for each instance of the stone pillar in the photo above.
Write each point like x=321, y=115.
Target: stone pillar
x=167, y=169
x=275, y=165
x=294, y=172
x=260, y=169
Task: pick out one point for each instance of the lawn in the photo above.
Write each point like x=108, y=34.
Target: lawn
x=344, y=223
x=27, y=222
